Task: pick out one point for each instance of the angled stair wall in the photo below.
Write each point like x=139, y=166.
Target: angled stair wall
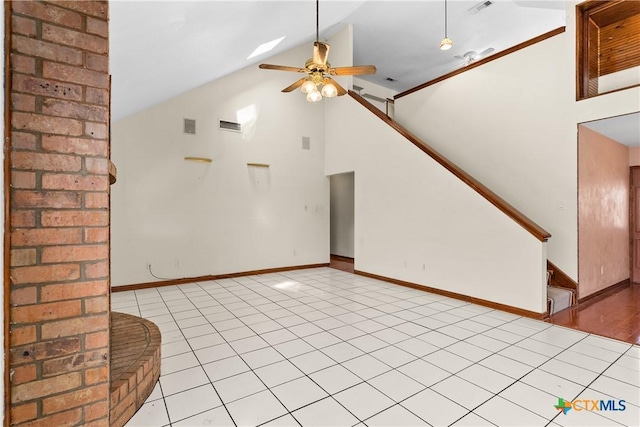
x=420, y=219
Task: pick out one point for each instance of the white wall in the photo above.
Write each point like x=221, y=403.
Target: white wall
x=374, y=89
x=369, y=88
x=342, y=214
x=189, y=219
x=415, y=221
x=620, y=79
x=512, y=124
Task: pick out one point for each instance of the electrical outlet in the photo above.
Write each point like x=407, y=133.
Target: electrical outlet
x=424, y=267
x=177, y=263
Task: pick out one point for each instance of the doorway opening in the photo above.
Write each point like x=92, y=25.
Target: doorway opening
x=608, y=149
x=608, y=300
x=342, y=221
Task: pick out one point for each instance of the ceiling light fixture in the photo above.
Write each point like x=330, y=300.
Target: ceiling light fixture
x=319, y=82
x=317, y=85
x=446, y=42
x=329, y=90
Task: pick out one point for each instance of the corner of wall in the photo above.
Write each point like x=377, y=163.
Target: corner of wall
x=189, y=219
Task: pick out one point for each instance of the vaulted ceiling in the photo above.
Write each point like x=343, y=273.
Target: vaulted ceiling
x=160, y=49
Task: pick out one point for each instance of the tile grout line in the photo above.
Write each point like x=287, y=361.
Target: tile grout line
x=323, y=287
x=390, y=345
x=337, y=363
x=200, y=364
x=251, y=369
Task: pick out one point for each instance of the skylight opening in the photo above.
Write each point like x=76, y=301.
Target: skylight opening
x=265, y=47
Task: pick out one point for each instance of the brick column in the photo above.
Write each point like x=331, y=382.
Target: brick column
x=59, y=221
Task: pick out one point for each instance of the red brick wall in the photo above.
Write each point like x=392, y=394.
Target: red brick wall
x=59, y=213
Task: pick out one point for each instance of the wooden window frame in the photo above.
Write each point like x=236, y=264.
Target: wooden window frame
x=585, y=15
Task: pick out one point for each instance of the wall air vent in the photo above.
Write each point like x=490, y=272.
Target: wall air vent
x=230, y=126
x=477, y=8
x=190, y=126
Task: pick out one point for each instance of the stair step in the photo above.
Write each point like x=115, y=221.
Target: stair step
x=559, y=298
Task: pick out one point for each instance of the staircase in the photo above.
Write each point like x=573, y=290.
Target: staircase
x=537, y=232
x=558, y=297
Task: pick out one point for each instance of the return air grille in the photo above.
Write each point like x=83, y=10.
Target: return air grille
x=190, y=126
x=230, y=126
x=477, y=8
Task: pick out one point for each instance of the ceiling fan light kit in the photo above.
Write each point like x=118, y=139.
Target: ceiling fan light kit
x=318, y=83
x=329, y=90
x=308, y=86
x=314, y=96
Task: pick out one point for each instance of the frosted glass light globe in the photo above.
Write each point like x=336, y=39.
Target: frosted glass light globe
x=314, y=96
x=329, y=90
x=308, y=87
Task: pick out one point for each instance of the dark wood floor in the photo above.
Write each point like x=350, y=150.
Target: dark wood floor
x=615, y=315
x=341, y=263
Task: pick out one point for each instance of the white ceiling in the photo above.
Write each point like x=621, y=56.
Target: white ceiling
x=623, y=129
x=159, y=49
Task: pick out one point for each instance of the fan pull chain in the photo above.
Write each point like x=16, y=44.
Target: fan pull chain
x=317, y=20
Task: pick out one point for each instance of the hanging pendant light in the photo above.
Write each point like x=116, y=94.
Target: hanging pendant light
x=446, y=42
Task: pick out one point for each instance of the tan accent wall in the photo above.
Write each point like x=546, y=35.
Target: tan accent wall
x=603, y=212
x=634, y=156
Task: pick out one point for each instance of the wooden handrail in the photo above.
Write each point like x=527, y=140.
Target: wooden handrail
x=560, y=279
x=533, y=228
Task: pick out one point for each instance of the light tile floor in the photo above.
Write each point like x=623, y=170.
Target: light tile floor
x=322, y=347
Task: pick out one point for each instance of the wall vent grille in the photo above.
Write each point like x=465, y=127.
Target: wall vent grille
x=477, y=8
x=230, y=126
x=190, y=126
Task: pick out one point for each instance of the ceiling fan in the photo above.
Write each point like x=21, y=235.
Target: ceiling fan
x=318, y=82
x=473, y=56
x=468, y=59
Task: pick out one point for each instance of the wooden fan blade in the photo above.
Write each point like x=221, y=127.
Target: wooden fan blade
x=295, y=85
x=352, y=71
x=341, y=90
x=282, y=68
x=320, y=53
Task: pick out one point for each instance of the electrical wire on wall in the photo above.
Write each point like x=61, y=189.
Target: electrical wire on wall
x=159, y=278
